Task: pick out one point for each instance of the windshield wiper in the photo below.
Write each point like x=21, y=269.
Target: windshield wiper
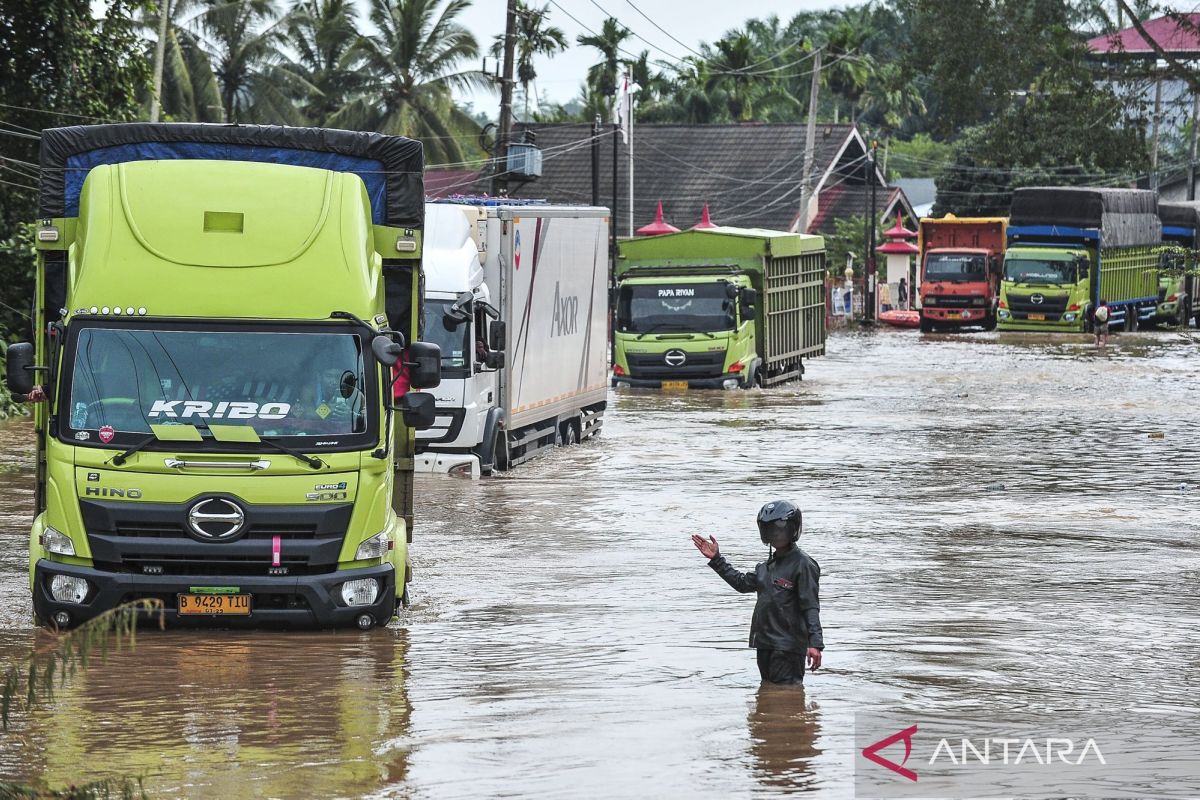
x=312, y=461
x=121, y=458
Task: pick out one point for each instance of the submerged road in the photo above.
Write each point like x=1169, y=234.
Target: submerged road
x=996, y=525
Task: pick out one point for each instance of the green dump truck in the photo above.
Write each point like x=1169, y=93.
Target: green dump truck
x=219, y=313
x=1070, y=248
x=720, y=308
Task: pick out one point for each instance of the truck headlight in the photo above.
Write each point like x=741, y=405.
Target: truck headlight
x=68, y=589
x=1069, y=317
x=1003, y=314
x=57, y=542
x=361, y=592
x=929, y=301
x=375, y=547
x=730, y=383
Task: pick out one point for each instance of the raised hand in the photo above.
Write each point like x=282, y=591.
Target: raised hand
x=707, y=547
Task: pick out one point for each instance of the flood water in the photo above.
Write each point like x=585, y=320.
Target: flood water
x=996, y=527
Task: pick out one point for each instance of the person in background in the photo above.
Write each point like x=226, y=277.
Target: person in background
x=1100, y=315
x=902, y=294
x=786, y=627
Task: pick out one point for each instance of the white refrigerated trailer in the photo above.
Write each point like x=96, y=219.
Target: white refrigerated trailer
x=516, y=295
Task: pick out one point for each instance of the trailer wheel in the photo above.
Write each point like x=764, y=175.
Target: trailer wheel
x=569, y=435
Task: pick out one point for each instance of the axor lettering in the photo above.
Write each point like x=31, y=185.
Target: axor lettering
x=232, y=409
x=566, y=314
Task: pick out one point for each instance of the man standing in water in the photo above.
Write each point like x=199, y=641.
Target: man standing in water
x=786, y=627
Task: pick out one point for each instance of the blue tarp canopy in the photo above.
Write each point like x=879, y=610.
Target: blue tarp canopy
x=392, y=167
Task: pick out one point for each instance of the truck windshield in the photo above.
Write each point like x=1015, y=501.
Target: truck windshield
x=664, y=307
x=955, y=268
x=120, y=381
x=454, y=343
x=1039, y=270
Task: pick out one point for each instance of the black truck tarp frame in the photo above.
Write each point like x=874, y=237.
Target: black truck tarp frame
x=1127, y=217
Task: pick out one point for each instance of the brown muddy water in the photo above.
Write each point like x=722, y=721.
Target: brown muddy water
x=996, y=527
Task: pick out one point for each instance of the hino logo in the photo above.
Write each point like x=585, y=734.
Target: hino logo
x=215, y=519
x=675, y=358
x=1037, y=299
x=100, y=491
x=566, y=313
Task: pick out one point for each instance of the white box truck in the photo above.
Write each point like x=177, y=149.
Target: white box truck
x=516, y=295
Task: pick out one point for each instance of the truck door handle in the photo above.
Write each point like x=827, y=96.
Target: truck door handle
x=178, y=463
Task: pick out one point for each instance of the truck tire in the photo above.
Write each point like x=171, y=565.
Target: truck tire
x=501, y=455
x=926, y=326
x=989, y=323
x=568, y=435
x=1184, y=317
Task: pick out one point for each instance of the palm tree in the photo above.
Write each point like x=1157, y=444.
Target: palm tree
x=412, y=65
x=738, y=69
x=602, y=77
x=848, y=68
x=323, y=34
x=534, y=38
x=243, y=38
x=892, y=97
x=189, y=88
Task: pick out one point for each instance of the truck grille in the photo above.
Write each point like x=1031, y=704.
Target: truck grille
x=130, y=537
x=695, y=365
x=952, y=301
x=1052, y=305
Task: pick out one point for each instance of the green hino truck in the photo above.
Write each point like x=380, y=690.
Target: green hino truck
x=720, y=308
x=1070, y=248
x=219, y=313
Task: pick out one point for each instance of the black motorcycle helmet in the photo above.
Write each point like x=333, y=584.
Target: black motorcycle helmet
x=779, y=517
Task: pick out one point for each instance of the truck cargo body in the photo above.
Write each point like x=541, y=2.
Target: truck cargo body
x=960, y=271
x=516, y=296
x=1179, y=289
x=721, y=308
x=1069, y=249
x=217, y=435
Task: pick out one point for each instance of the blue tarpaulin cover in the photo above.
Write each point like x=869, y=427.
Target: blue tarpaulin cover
x=390, y=166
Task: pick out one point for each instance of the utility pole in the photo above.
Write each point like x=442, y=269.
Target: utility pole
x=596, y=161
x=869, y=313
x=160, y=48
x=810, y=144
x=1192, y=147
x=629, y=102
x=500, y=181
x=1154, y=133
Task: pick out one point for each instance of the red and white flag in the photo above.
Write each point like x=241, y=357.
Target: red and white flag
x=623, y=107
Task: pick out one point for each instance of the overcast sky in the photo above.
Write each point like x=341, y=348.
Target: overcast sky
x=690, y=21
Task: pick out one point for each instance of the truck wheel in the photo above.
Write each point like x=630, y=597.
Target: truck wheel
x=569, y=435
x=501, y=455
x=926, y=326
x=989, y=323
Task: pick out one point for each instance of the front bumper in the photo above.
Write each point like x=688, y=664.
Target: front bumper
x=434, y=461
x=955, y=316
x=693, y=383
x=301, y=601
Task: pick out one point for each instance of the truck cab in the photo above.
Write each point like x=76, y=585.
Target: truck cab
x=960, y=271
x=693, y=328
x=1045, y=288
x=215, y=347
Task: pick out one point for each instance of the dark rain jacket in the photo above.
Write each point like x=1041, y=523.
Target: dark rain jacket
x=787, y=615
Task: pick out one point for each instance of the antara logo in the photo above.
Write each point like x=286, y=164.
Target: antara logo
x=202, y=409
x=566, y=313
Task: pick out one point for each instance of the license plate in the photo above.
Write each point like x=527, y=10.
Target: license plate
x=954, y=315
x=675, y=385
x=1037, y=316
x=214, y=604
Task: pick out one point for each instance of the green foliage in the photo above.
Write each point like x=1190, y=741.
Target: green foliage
x=28, y=683
x=849, y=237
x=125, y=789
x=535, y=37
x=1057, y=136
x=919, y=157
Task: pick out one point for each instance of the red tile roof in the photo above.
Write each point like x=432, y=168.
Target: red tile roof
x=1173, y=37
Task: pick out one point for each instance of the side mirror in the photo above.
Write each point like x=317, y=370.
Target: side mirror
x=494, y=360
x=612, y=297
x=424, y=365
x=457, y=312
x=747, y=313
x=19, y=368
x=386, y=351
x=497, y=335
x=348, y=385
x=418, y=409
x=749, y=296
x=731, y=291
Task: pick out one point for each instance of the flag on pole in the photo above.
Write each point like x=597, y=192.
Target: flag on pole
x=623, y=107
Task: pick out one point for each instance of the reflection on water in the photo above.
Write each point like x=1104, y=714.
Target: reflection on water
x=996, y=527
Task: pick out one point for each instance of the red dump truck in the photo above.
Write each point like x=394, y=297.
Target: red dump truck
x=961, y=260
